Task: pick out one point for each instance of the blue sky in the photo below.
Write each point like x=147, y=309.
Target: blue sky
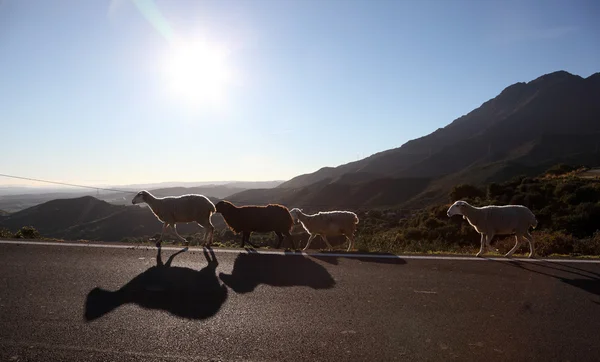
x=118, y=92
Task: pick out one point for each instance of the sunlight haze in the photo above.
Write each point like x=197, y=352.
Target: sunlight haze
x=123, y=92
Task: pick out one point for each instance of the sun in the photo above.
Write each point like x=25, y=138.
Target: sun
x=198, y=73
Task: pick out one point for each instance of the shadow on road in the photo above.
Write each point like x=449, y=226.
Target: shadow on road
x=379, y=258
x=583, y=279
x=183, y=292
x=253, y=269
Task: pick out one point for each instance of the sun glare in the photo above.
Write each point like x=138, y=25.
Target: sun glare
x=198, y=73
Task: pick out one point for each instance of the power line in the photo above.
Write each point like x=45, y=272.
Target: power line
x=241, y=203
x=66, y=184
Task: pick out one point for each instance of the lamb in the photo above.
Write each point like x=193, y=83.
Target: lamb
x=255, y=218
x=498, y=220
x=327, y=223
x=185, y=208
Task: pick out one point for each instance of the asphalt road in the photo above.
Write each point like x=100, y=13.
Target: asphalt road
x=60, y=303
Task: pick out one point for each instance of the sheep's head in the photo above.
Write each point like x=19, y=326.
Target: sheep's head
x=140, y=197
x=223, y=206
x=294, y=212
x=457, y=208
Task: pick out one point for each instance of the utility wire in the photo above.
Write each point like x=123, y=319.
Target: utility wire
x=66, y=184
x=312, y=206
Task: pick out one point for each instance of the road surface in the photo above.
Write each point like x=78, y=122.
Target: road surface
x=82, y=303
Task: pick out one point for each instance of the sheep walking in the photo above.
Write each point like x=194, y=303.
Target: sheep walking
x=185, y=208
x=498, y=220
x=254, y=218
x=327, y=223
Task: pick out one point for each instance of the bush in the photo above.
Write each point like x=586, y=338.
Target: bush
x=465, y=192
x=567, y=210
x=5, y=233
x=560, y=169
x=28, y=232
x=553, y=242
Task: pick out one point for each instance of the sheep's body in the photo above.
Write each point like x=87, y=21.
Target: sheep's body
x=327, y=223
x=257, y=218
x=498, y=220
x=176, y=209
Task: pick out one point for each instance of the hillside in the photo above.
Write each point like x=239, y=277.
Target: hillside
x=527, y=128
x=327, y=195
x=89, y=218
x=566, y=203
x=17, y=202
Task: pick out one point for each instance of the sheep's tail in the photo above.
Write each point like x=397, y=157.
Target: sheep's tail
x=355, y=219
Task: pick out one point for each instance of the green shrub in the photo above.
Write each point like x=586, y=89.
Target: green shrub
x=27, y=232
x=5, y=233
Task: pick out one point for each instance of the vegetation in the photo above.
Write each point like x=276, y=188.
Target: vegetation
x=567, y=208
x=566, y=205
x=26, y=232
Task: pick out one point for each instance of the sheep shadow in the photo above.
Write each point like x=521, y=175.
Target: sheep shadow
x=378, y=258
x=288, y=270
x=182, y=292
x=583, y=279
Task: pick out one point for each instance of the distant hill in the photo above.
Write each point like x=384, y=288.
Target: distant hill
x=92, y=219
x=17, y=202
x=527, y=128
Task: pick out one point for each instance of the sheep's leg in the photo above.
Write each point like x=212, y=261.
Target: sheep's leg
x=164, y=228
x=350, y=242
x=209, y=230
x=488, y=243
x=327, y=242
x=483, y=243
x=209, y=235
x=279, y=239
x=246, y=238
x=289, y=236
x=529, y=238
x=309, y=241
x=243, y=238
x=181, y=238
x=517, y=243
x=249, y=233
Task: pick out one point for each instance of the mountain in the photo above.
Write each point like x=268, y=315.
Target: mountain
x=92, y=219
x=17, y=202
x=527, y=128
x=327, y=195
x=171, y=184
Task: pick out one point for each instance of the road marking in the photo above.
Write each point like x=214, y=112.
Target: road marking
x=280, y=252
x=76, y=348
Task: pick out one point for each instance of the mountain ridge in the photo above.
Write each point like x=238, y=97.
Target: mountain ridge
x=519, y=130
x=394, y=162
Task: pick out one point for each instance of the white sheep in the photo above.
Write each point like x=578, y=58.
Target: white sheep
x=185, y=208
x=497, y=220
x=327, y=223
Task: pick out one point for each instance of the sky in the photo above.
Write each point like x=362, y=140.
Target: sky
x=120, y=92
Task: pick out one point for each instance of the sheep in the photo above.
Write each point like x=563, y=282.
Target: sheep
x=498, y=220
x=327, y=223
x=185, y=208
x=255, y=218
